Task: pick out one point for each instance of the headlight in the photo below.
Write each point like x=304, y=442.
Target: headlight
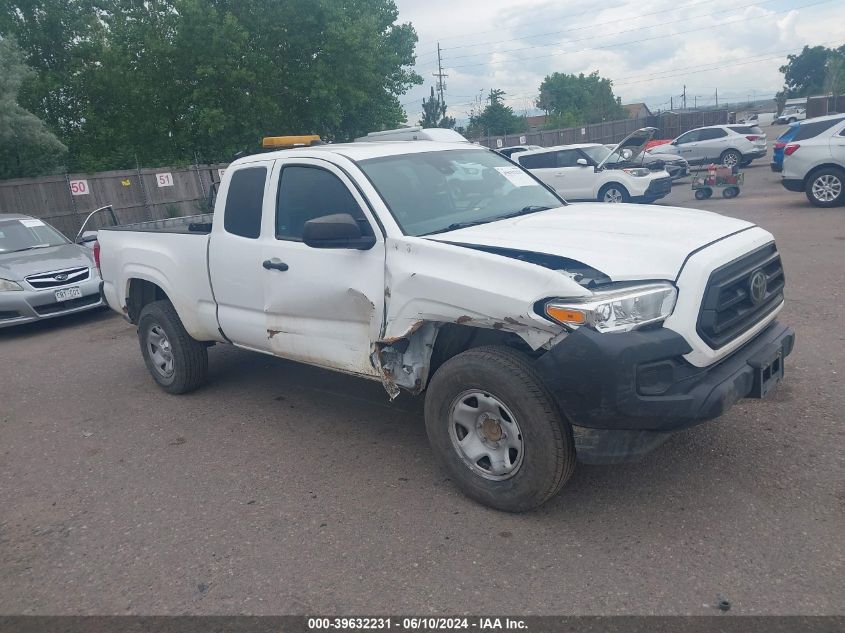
x=6, y=285
x=637, y=171
x=616, y=310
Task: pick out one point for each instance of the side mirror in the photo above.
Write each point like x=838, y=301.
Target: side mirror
x=336, y=231
x=582, y=161
x=675, y=142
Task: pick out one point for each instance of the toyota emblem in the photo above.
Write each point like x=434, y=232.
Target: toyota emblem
x=757, y=287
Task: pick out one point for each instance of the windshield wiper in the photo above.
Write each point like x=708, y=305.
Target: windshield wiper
x=29, y=248
x=459, y=225
x=532, y=208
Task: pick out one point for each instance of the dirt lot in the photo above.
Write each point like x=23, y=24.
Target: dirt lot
x=284, y=489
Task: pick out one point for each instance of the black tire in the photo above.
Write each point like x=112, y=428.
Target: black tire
x=730, y=192
x=189, y=357
x=701, y=194
x=791, y=119
x=826, y=187
x=623, y=193
x=548, y=451
x=730, y=158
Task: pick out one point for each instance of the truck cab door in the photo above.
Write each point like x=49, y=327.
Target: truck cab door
x=322, y=306
x=234, y=253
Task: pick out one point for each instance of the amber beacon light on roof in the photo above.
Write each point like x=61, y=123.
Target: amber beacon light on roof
x=287, y=142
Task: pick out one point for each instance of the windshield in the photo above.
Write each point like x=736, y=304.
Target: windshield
x=432, y=192
x=27, y=233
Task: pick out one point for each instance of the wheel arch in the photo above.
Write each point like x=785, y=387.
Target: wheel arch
x=141, y=292
x=409, y=361
x=816, y=168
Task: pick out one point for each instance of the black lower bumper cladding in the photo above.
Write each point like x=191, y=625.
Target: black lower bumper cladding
x=624, y=392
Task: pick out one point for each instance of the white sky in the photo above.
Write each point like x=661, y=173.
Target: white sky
x=649, y=48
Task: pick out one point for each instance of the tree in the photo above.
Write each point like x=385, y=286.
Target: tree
x=27, y=147
x=168, y=81
x=805, y=74
x=434, y=113
x=572, y=100
x=495, y=119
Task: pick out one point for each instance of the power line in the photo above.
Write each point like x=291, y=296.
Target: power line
x=602, y=24
x=628, y=43
x=631, y=30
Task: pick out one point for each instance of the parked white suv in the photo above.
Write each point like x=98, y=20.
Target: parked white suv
x=814, y=161
x=591, y=171
x=730, y=145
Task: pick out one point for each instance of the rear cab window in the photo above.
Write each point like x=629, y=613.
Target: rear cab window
x=244, y=200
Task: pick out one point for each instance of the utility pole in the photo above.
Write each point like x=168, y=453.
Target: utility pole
x=441, y=85
x=695, y=102
x=717, y=98
x=685, y=97
x=671, y=103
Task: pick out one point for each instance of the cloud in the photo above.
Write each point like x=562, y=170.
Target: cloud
x=735, y=46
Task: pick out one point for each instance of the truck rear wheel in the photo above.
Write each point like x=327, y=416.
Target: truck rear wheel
x=177, y=362
x=496, y=430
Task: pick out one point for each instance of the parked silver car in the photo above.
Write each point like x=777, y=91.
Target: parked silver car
x=42, y=273
x=730, y=145
x=814, y=161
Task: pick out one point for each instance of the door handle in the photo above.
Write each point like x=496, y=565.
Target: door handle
x=270, y=264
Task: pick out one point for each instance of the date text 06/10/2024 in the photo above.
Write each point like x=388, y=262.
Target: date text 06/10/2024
x=417, y=623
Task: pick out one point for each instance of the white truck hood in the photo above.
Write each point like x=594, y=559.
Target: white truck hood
x=624, y=241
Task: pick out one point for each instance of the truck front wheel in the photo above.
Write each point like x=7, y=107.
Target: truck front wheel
x=177, y=362
x=496, y=430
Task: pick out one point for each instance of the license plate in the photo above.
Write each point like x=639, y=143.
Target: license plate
x=768, y=375
x=66, y=294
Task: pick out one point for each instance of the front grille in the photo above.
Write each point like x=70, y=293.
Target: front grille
x=661, y=185
x=58, y=278
x=727, y=309
x=62, y=306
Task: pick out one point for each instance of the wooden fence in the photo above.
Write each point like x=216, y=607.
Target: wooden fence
x=669, y=125
x=136, y=195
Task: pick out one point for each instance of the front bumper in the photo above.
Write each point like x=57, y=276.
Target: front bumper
x=656, y=189
x=626, y=392
x=793, y=184
x=25, y=306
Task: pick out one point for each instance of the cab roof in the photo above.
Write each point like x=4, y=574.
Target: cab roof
x=361, y=151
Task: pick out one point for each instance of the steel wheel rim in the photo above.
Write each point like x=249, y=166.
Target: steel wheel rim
x=160, y=351
x=827, y=188
x=730, y=160
x=613, y=196
x=486, y=435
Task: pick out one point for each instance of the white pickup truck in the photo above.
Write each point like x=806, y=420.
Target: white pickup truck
x=541, y=332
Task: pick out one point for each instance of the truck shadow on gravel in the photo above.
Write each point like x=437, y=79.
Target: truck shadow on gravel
x=694, y=468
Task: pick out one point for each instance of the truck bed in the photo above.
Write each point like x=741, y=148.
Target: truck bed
x=189, y=224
